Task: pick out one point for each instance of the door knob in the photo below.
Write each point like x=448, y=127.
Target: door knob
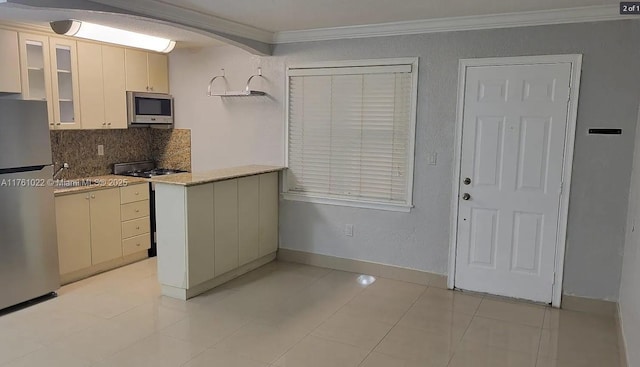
x=467, y=181
x=466, y=196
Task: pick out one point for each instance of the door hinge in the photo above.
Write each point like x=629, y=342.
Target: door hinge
x=569, y=95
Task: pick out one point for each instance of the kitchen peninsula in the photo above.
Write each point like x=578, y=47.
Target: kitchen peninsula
x=214, y=226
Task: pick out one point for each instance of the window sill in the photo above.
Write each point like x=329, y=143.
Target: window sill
x=364, y=204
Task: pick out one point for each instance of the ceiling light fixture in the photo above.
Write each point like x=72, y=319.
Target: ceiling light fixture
x=103, y=33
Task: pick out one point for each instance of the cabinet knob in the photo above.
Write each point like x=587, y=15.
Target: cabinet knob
x=104, y=123
x=137, y=193
x=147, y=87
x=87, y=197
x=58, y=123
x=137, y=244
x=93, y=196
x=151, y=88
x=109, y=124
x=138, y=227
x=137, y=210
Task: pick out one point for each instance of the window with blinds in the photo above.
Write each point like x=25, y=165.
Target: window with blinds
x=351, y=133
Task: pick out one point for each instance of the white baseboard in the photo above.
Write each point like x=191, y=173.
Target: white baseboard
x=364, y=267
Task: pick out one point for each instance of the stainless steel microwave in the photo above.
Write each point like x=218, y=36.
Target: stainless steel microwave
x=149, y=109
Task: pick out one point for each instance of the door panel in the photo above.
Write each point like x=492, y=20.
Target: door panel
x=488, y=148
x=514, y=127
x=106, y=235
x=225, y=205
x=248, y=219
x=136, y=70
x=90, y=81
x=115, y=94
x=74, y=232
x=158, y=73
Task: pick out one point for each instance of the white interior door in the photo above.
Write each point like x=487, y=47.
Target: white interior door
x=513, y=137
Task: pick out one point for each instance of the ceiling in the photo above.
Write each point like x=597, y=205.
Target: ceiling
x=291, y=15
x=42, y=17
x=255, y=25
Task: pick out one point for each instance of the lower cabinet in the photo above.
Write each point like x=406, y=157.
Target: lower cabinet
x=74, y=232
x=91, y=232
x=105, y=225
x=212, y=232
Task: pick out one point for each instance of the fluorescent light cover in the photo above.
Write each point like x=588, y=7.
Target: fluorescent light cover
x=103, y=33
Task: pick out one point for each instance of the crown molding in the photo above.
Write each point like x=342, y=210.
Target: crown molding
x=28, y=27
x=509, y=20
x=173, y=13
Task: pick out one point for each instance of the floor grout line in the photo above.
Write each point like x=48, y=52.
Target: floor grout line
x=322, y=322
x=394, y=325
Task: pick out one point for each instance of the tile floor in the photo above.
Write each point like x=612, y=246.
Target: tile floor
x=290, y=315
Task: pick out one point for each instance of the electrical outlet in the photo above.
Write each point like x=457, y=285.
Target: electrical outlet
x=348, y=230
x=100, y=149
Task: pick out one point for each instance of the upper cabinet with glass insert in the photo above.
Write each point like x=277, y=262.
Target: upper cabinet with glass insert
x=64, y=83
x=36, y=69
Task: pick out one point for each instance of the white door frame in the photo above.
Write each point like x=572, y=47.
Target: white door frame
x=572, y=112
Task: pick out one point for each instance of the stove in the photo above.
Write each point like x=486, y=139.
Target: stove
x=146, y=169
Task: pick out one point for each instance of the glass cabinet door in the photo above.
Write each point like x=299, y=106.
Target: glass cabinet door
x=64, y=71
x=35, y=69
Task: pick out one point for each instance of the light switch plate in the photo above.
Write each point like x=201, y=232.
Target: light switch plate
x=348, y=230
x=100, y=149
x=432, y=158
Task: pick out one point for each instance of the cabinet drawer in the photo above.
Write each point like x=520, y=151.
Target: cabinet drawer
x=133, y=193
x=136, y=244
x=134, y=210
x=135, y=227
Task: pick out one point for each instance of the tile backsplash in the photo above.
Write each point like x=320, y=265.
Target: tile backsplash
x=170, y=148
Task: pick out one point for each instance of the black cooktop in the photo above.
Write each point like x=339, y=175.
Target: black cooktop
x=144, y=169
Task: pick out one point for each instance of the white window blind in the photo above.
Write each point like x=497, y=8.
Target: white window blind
x=351, y=133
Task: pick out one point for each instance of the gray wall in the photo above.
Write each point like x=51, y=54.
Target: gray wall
x=420, y=239
x=630, y=283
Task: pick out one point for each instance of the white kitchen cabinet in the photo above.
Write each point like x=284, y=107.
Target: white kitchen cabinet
x=268, y=213
x=9, y=62
x=248, y=219
x=91, y=84
x=64, y=83
x=105, y=225
x=35, y=70
x=96, y=232
x=225, y=204
x=201, y=224
x=209, y=233
x=74, y=232
x=115, y=91
x=101, y=79
x=146, y=71
x=158, y=68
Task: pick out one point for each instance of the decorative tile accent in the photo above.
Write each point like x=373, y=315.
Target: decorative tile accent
x=79, y=148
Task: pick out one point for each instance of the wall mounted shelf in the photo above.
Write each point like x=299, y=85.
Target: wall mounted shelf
x=247, y=92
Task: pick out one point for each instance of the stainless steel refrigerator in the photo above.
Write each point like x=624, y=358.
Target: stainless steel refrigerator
x=28, y=245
